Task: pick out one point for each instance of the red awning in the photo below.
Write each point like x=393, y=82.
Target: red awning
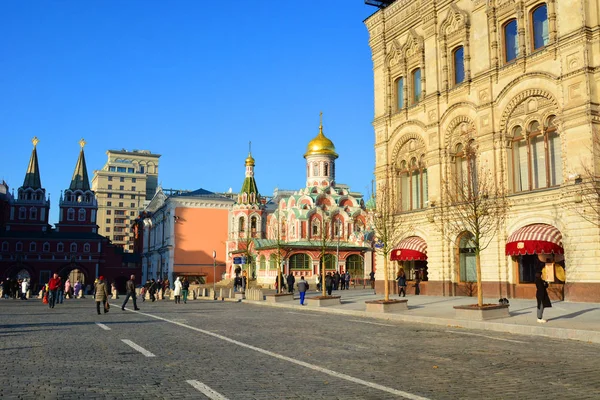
x=411, y=248
x=535, y=239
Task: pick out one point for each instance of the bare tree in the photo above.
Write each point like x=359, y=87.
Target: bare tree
x=389, y=225
x=282, y=251
x=588, y=186
x=475, y=203
x=324, y=241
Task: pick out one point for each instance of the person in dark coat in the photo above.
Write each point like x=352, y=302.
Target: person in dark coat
x=329, y=283
x=401, y=278
x=336, y=280
x=291, y=280
x=541, y=294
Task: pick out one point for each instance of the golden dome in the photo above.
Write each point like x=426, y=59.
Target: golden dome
x=320, y=146
x=249, y=160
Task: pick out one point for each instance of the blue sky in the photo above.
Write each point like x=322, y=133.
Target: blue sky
x=194, y=81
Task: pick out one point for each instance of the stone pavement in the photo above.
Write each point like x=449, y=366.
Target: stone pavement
x=566, y=320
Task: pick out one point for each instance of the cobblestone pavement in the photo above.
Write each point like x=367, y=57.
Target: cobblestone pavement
x=243, y=351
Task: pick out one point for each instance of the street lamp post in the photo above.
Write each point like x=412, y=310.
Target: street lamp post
x=214, y=273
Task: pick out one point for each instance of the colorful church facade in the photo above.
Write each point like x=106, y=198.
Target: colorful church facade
x=322, y=226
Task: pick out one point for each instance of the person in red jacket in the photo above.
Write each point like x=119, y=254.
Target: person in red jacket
x=53, y=285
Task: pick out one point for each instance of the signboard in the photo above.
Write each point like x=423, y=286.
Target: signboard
x=239, y=260
x=379, y=244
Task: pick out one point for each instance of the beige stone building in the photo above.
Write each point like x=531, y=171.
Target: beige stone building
x=517, y=82
x=123, y=187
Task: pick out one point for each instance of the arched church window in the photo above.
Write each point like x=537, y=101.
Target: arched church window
x=73, y=248
x=326, y=169
x=70, y=214
x=46, y=247
x=22, y=213
x=60, y=247
x=316, y=169
x=4, y=246
x=32, y=246
x=81, y=214
x=242, y=224
x=19, y=246
x=33, y=213
x=86, y=248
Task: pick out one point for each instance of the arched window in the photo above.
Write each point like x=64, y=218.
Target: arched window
x=330, y=262
x=315, y=169
x=536, y=158
x=316, y=224
x=242, y=224
x=399, y=93
x=539, y=24
x=33, y=213
x=253, y=224
x=413, y=184
x=70, y=214
x=86, y=248
x=19, y=246
x=465, y=167
x=416, y=84
x=46, y=247
x=511, y=40
x=520, y=160
x=73, y=248
x=466, y=250
x=273, y=261
x=60, y=247
x=262, y=263
x=355, y=265
x=22, y=213
x=459, y=65
x=4, y=246
x=326, y=169
x=299, y=262
x=81, y=214
x=32, y=246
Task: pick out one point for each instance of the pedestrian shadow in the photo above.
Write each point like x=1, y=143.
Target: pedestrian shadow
x=517, y=313
x=575, y=314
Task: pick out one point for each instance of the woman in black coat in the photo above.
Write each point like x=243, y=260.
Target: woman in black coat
x=541, y=294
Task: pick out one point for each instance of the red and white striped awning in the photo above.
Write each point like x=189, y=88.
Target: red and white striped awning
x=535, y=239
x=411, y=248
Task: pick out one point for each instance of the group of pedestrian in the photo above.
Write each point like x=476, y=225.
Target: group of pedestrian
x=402, y=282
x=15, y=288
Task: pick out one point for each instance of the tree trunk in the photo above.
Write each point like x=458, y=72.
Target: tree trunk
x=385, y=278
x=479, y=289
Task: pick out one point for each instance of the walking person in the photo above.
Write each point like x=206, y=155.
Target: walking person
x=372, y=279
x=68, y=289
x=347, y=280
x=302, y=289
x=541, y=294
x=130, y=289
x=152, y=290
x=401, y=278
x=291, y=280
x=417, y=282
x=61, y=292
x=24, y=289
x=77, y=289
x=177, y=291
x=101, y=295
x=6, y=288
x=185, y=289
x=53, y=286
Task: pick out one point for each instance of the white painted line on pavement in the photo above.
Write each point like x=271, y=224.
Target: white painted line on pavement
x=370, y=323
x=138, y=348
x=297, y=362
x=106, y=328
x=305, y=314
x=208, y=392
x=489, y=337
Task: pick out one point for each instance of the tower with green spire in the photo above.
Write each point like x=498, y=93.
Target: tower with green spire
x=249, y=194
x=31, y=206
x=78, y=204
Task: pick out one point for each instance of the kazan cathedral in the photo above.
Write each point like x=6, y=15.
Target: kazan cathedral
x=298, y=232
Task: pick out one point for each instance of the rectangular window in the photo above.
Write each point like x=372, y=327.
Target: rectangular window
x=121, y=179
x=109, y=203
x=110, y=178
x=107, y=229
x=132, y=213
x=120, y=204
x=511, y=41
x=416, y=81
x=121, y=187
x=121, y=169
x=416, y=190
x=405, y=187
x=400, y=93
x=130, y=170
x=540, y=27
x=459, y=65
x=121, y=196
x=133, y=188
x=133, y=196
x=108, y=212
x=108, y=220
x=132, y=205
x=109, y=187
x=109, y=195
x=112, y=169
x=538, y=156
x=133, y=180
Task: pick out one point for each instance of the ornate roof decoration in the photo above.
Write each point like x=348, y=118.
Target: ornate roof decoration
x=32, y=176
x=80, y=176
